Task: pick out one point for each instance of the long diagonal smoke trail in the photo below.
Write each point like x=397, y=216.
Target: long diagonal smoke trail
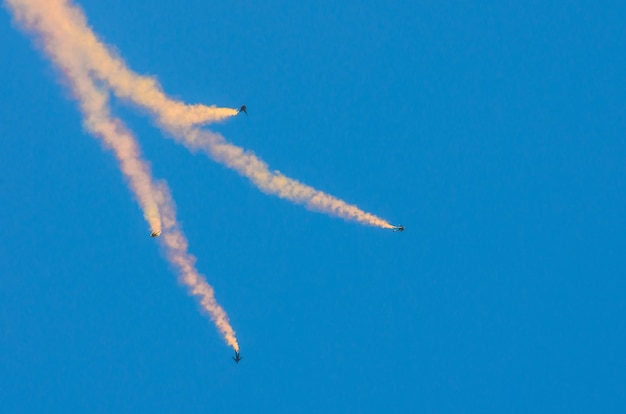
x=154, y=199
x=273, y=182
x=176, y=251
x=59, y=18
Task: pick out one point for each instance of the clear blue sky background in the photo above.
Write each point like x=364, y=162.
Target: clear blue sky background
x=493, y=131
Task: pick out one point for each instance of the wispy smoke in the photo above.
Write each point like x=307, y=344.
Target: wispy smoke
x=154, y=198
x=88, y=66
x=180, y=119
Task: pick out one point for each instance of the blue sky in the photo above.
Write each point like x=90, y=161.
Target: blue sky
x=494, y=132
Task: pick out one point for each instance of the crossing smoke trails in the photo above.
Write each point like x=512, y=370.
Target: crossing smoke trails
x=87, y=64
x=154, y=198
x=61, y=20
x=93, y=104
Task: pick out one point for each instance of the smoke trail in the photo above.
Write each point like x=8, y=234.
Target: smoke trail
x=112, y=132
x=274, y=182
x=115, y=135
x=154, y=199
x=178, y=119
x=60, y=18
x=176, y=251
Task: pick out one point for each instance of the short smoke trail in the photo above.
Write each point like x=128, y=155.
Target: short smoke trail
x=179, y=119
x=154, y=199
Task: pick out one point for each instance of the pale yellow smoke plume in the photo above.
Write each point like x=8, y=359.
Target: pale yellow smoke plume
x=60, y=18
x=114, y=135
x=274, y=182
x=154, y=199
x=97, y=119
x=176, y=250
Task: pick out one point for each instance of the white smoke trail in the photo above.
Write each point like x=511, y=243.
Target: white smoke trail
x=154, y=199
x=179, y=119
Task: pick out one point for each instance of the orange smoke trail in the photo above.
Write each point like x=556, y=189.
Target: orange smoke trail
x=155, y=200
x=178, y=118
